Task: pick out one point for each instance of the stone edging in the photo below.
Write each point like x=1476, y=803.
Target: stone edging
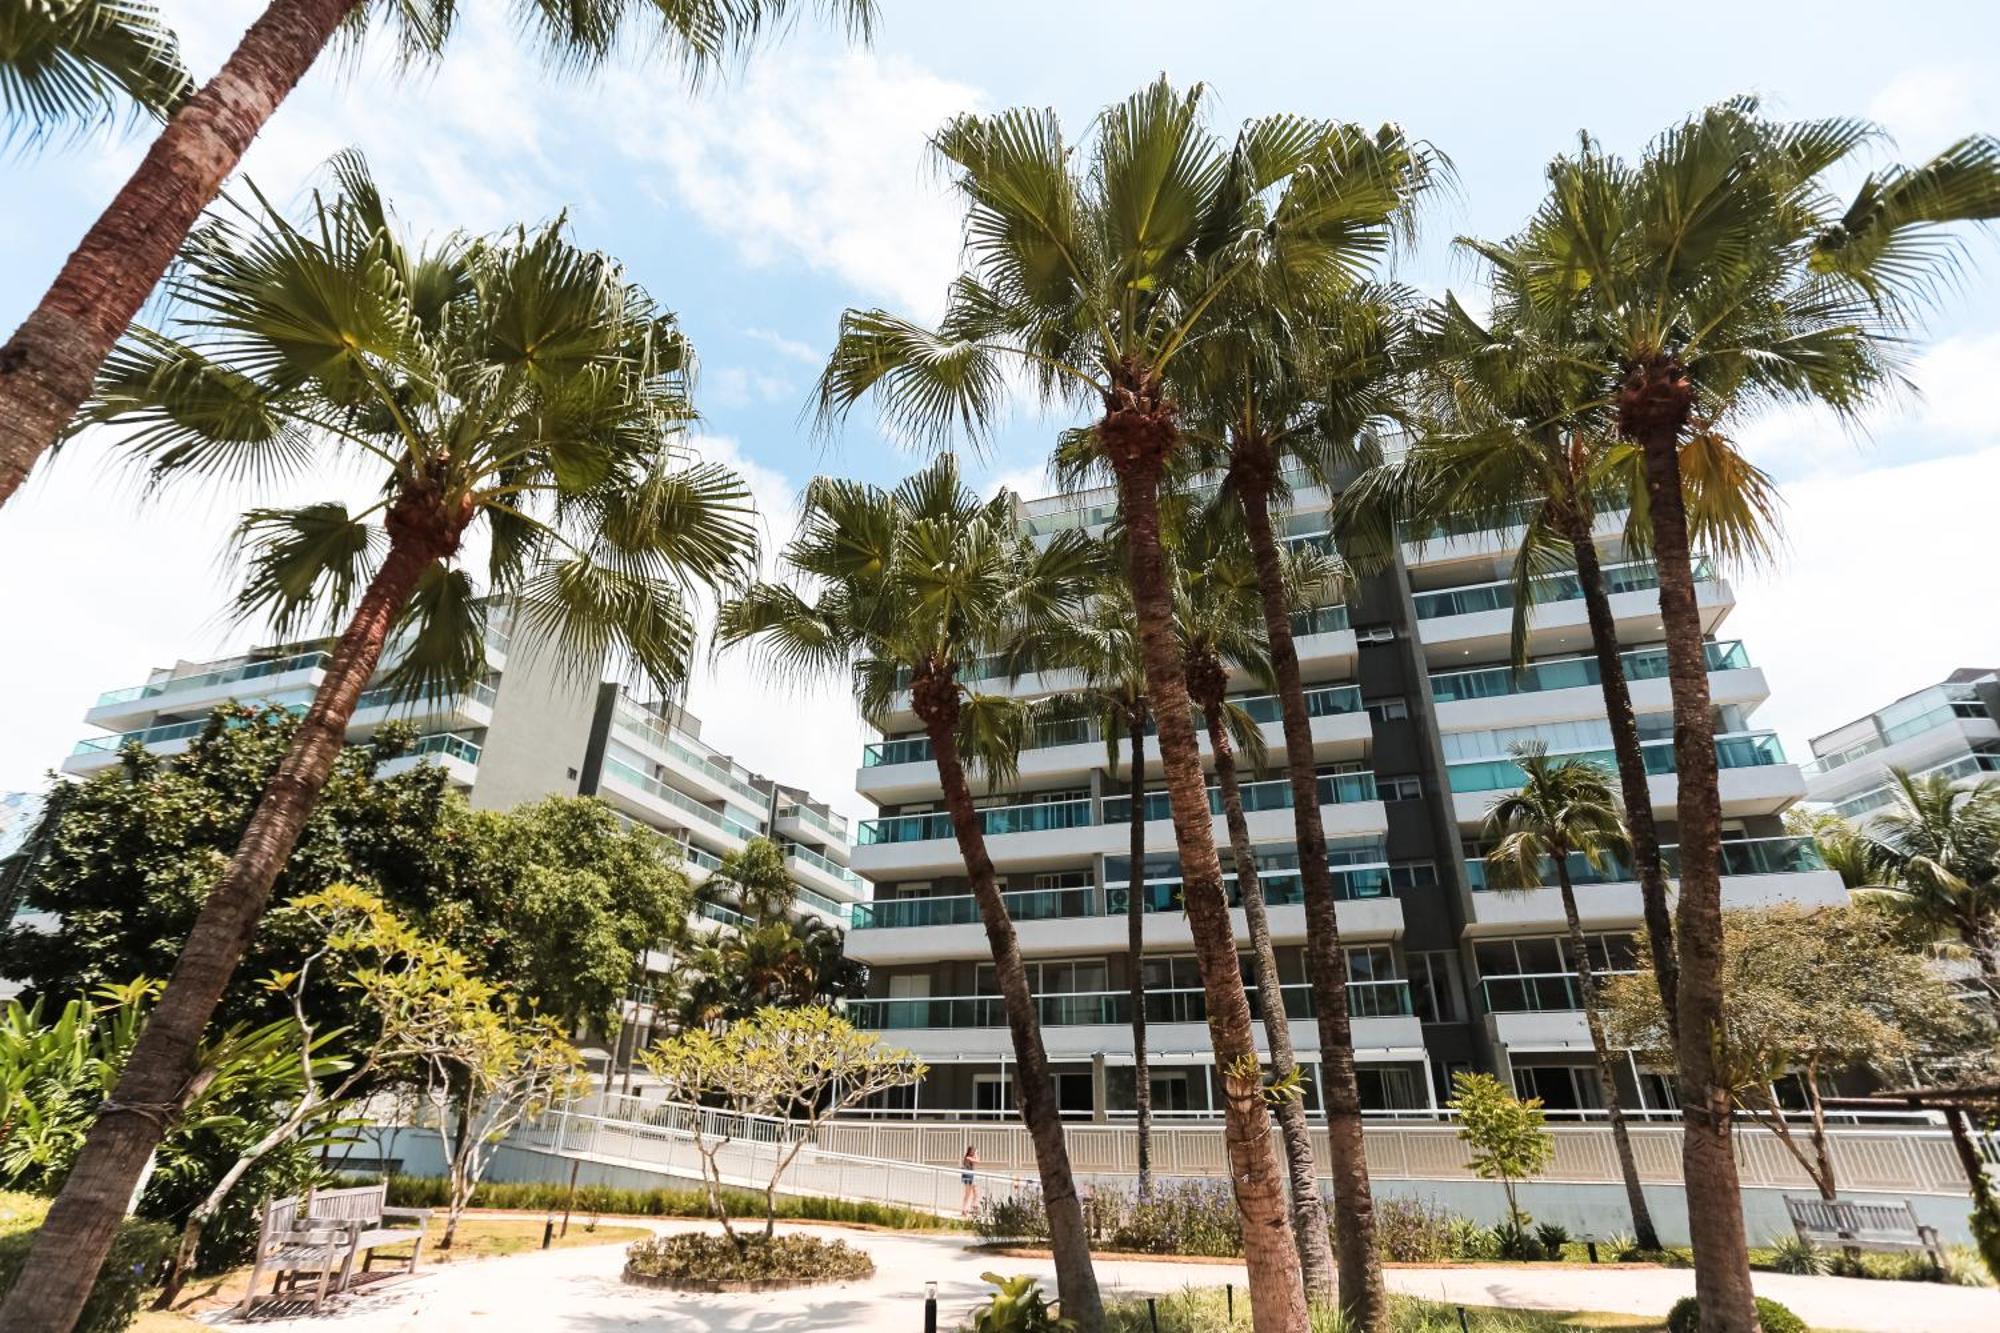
x=716, y=1287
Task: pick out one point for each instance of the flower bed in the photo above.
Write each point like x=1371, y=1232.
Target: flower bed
x=709, y=1262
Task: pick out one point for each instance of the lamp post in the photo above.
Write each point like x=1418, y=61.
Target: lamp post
x=930, y=1307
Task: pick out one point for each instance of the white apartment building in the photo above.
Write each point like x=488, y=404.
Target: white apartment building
x=1948, y=728
x=1413, y=710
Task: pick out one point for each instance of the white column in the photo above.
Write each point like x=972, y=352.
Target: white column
x=1638, y=1084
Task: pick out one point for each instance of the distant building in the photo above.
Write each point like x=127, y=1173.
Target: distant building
x=1952, y=727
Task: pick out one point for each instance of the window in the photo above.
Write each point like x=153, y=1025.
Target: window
x=1562, y=1088
x=1390, y=1088
x=1434, y=987
x=1075, y=1093
x=1174, y=972
x=1372, y=962
x=1413, y=875
x=1388, y=710
x=1063, y=879
x=992, y=1093
x=1550, y=954
x=1068, y=976
x=1374, y=633
x=1402, y=787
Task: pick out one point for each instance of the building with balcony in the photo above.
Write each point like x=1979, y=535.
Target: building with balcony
x=1414, y=706
x=1952, y=727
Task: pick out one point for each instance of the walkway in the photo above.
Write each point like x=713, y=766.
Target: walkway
x=579, y=1291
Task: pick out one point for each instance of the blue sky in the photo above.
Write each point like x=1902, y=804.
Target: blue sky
x=763, y=203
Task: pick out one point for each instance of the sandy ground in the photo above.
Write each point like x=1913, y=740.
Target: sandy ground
x=579, y=1291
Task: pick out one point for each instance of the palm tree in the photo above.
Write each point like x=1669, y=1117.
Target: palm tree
x=516, y=389
x=916, y=586
x=1565, y=808
x=1308, y=386
x=1220, y=615
x=1936, y=856
x=756, y=876
x=1719, y=275
x=68, y=66
x=1094, y=272
x=47, y=367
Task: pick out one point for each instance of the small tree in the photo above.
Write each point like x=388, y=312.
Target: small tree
x=803, y=1064
x=496, y=1071
x=1508, y=1136
x=1811, y=993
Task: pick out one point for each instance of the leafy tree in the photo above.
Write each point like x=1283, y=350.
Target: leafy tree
x=1565, y=808
x=1935, y=856
x=1719, y=275
x=806, y=1065
x=914, y=587
x=69, y=66
x=1507, y=1136
x=54, y=55
x=1093, y=270
x=756, y=877
x=1814, y=994
x=517, y=389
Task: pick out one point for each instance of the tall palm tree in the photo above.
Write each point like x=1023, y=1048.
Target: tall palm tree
x=916, y=586
x=68, y=66
x=756, y=877
x=1935, y=853
x=1094, y=271
x=1219, y=611
x=1565, y=808
x=1306, y=386
x=47, y=367
x=516, y=389
x=1719, y=275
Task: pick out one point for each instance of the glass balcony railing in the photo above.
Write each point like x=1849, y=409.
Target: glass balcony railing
x=833, y=826
x=1745, y=856
x=383, y=695
x=658, y=732
x=1276, y=794
x=225, y=676
x=1570, y=673
x=1977, y=764
x=1536, y=992
x=1037, y=817
x=1743, y=749
x=827, y=866
x=962, y=909
x=908, y=750
x=447, y=743
x=1365, y=999
x=1282, y=888
x=1321, y=620
x=728, y=916
x=1929, y=720
x=819, y=902
x=695, y=856
x=1630, y=576
x=680, y=800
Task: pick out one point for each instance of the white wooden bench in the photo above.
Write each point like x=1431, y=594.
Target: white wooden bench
x=1845, y=1224
x=285, y=1249
x=363, y=1212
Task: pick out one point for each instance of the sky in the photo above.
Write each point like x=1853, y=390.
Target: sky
x=764, y=202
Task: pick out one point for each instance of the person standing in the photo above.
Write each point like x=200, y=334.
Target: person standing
x=968, y=1175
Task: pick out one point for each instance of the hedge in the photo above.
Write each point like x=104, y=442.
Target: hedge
x=131, y=1269
x=541, y=1196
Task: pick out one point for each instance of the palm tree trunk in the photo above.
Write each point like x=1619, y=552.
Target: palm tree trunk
x=1362, y=1293
x=1138, y=441
x=1309, y=1224
x=47, y=368
x=1135, y=946
x=1708, y=1158
x=1632, y=783
x=934, y=696
x=1607, y=1078
x=78, y=1231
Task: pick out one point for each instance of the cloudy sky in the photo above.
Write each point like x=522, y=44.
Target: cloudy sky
x=762, y=204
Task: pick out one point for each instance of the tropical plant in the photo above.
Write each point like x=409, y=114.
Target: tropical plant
x=70, y=66
x=47, y=366
x=1093, y=270
x=517, y=388
x=1935, y=853
x=1565, y=808
x=1017, y=1306
x=1507, y=1135
x=804, y=1065
x=755, y=876
x=914, y=588
x=1717, y=276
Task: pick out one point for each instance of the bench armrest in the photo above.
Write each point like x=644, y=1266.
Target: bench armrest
x=421, y=1214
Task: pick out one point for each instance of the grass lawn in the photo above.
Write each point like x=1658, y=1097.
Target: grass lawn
x=1204, y=1310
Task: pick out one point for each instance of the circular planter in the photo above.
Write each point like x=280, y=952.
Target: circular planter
x=712, y=1287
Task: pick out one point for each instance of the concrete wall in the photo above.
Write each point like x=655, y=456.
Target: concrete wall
x=540, y=734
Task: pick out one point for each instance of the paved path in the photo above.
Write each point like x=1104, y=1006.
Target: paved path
x=579, y=1291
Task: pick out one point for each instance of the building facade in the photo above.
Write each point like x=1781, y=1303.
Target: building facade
x=1413, y=711
x=1952, y=727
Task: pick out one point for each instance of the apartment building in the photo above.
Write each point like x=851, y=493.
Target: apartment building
x=1951, y=727
x=525, y=731
x=1414, y=707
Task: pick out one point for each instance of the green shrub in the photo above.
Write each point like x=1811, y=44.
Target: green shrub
x=1513, y=1241
x=1469, y=1240
x=541, y=1196
x=132, y=1267
x=706, y=1256
x=1552, y=1236
x=1685, y=1317
x=1021, y=1216
x=1185, y=1217
x=1017, y=1306
x=1412, y=1231
x=1791, y=1254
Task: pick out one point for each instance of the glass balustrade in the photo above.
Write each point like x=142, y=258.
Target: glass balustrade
x=1571, y=673
x=678, y=799
x=1031, y=818
x=384, y=695
x=660, y=733
x=1282, y=888
x=447, y=743
x=819, y=902
x=225, y=676
x=1747, y=749
x=1740, y=856
x=728, y=916
x=1320, y=620
x=1630, y=576
x=1537, y=992
x=963, y=909
x=1276, y=794
x=1366, y=999
x=827, y=865
x=833, y=826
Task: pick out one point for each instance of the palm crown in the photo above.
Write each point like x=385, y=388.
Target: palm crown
x=1564, y=806
x=516, y=389
x=67, y=66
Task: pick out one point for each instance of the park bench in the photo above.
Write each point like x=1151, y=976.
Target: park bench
x=1845, y=1224
x=363, y=1212
x=286, y=1249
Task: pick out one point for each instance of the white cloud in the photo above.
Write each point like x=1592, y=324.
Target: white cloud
x=790, y=347
x=813, y=158
x=1887, y=584
x=733, y=386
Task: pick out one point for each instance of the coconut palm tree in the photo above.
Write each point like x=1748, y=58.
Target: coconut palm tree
x=514, y=390
x=1717, y=276
x=1093, y=271
x=69, y=66
x=1219, y=611
x=1935, y=853
x=1565, y=808
x=915, y=587
x=47, y=367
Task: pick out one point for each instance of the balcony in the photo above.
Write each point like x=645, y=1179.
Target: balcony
x=1538, y=992
x=962, y=909
x=1746, y=856
x=830, y=826
x=837, y=878
x=457, y=755
x=733, y=832
x=1743, y=749
x=1276, y=794
x=1568, y=673
x=1366, y=999
x=1040, y=817
x=1978, y=764
x=655, y=732
x=118, y=709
